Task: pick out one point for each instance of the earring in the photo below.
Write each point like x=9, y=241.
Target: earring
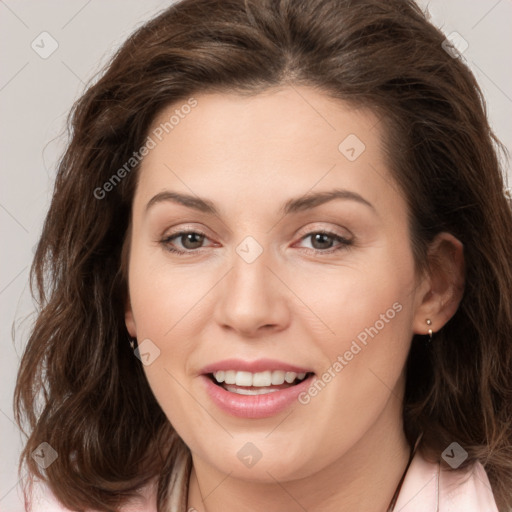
x=132, y=341
x=430, y=333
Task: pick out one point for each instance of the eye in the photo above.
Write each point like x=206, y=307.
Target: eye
x=190, y=241
x=322, y=241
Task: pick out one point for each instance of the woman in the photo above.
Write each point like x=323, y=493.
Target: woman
x=276, y=272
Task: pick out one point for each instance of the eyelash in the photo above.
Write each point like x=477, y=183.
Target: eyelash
x=344, y=242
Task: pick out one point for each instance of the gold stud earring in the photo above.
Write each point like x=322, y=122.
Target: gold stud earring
x=430, y=333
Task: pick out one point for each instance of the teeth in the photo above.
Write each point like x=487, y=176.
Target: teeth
x=230, y=377
x=277, y=377
x=290, y=377
x=242, y=391
x=243, y=379
x=259, y=379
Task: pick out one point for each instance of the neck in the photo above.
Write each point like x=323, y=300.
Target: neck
x=363, y=479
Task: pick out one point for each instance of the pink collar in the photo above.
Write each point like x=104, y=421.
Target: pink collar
x=429, y=488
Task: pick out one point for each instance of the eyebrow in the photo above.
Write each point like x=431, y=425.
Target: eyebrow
x=294, y=205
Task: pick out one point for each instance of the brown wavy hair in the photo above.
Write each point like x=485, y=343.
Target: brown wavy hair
x=79, y=386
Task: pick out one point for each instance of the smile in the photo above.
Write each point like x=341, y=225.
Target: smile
x=268, y=381
x=263, y=392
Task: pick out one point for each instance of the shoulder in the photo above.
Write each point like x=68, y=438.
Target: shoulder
x=43, y=500
x=470, y=489
x=428, y=487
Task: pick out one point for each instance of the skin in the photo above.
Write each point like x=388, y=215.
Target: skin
x=345, y=449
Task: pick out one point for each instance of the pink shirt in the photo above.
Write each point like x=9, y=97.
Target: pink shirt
x=426, y=488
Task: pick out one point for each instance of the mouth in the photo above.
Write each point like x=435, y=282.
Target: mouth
x=259, y=383
x=253, y=390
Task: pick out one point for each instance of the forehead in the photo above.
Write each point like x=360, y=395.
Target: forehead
x=278, y=143
x=274, y=120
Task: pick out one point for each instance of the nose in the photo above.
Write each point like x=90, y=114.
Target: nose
x=252, y=300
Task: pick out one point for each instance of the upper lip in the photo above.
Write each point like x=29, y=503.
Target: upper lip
x=259, y=365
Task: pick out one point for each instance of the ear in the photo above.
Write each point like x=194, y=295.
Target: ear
x=442, y=287
x=129, y=319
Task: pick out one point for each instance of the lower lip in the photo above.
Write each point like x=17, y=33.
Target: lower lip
x=254, y=406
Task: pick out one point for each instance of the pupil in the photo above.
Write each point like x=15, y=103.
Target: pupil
x=189, y=237
x=319, y=237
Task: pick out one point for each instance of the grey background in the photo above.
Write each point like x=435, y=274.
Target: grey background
x=37, y=93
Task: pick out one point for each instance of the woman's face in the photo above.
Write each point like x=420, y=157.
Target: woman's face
x=258, y=294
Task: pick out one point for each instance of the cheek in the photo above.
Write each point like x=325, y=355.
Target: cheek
x=370, y=315
x=372, y=300
x=165, y=295
x=166, y=304
x=367, y=313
